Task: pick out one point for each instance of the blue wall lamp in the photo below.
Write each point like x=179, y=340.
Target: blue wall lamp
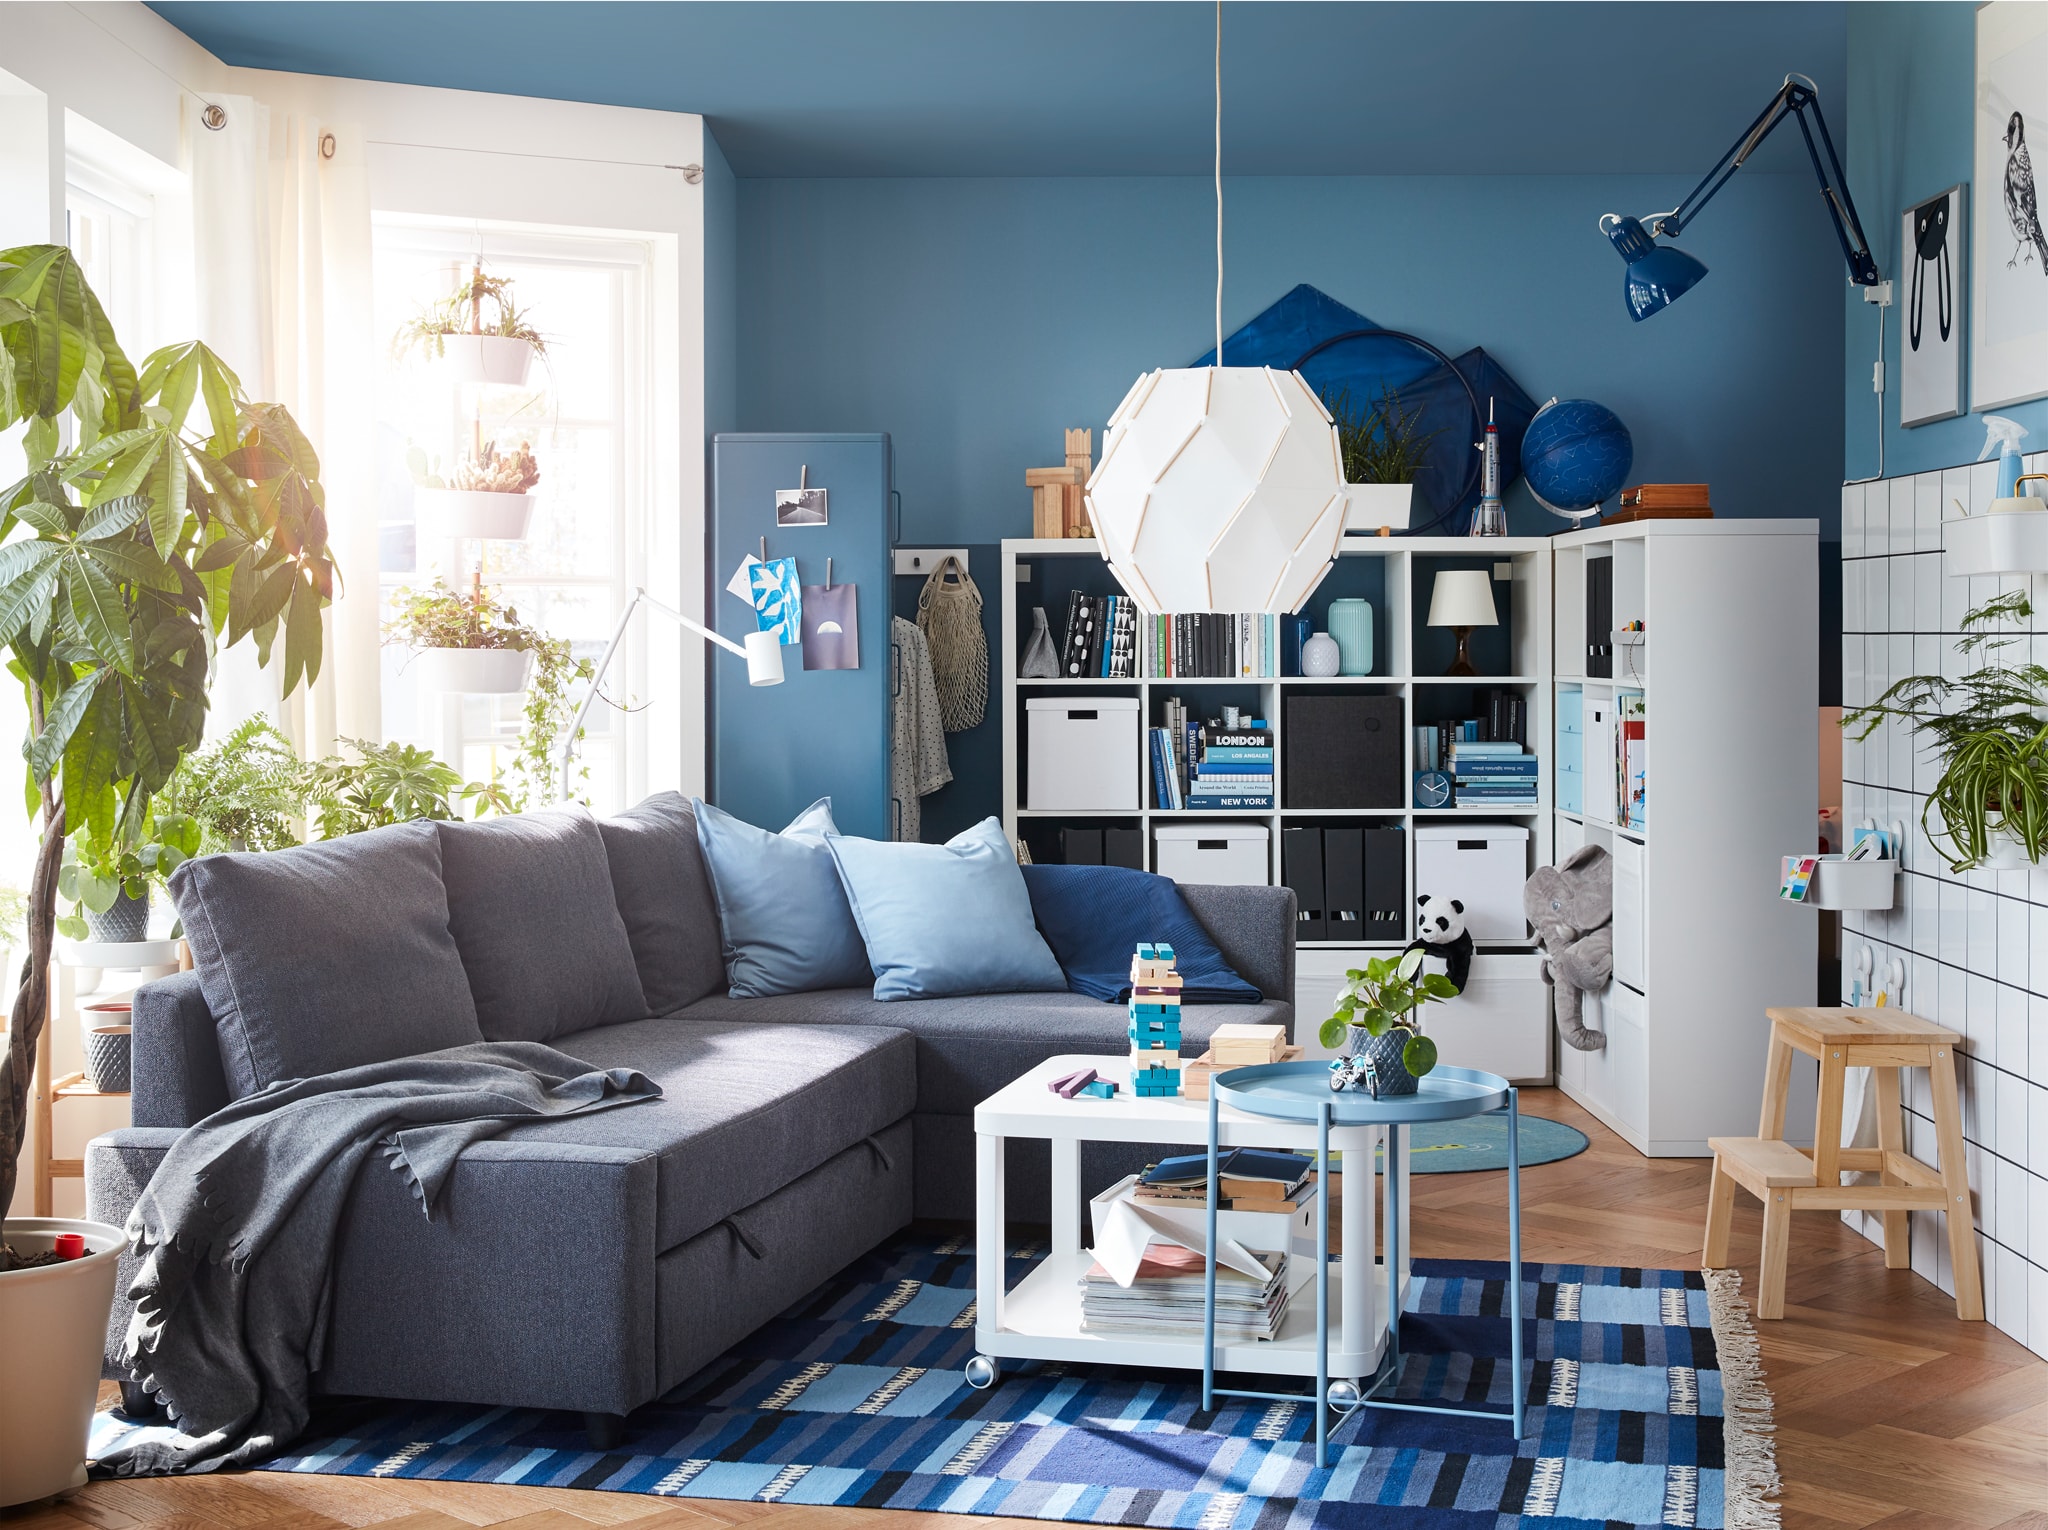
x=1659, y=274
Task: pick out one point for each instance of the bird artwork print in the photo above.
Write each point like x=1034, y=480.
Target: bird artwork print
x=2021, y=208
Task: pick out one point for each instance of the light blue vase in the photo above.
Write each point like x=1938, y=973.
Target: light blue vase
x=1351, y=625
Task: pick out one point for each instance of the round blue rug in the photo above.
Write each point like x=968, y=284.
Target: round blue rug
x=1481, y=1142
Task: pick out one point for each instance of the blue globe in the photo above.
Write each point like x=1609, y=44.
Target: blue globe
x=1576, y=454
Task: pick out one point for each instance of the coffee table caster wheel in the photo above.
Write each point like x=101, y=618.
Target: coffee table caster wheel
x=982, y=1373
x=1344, y=1396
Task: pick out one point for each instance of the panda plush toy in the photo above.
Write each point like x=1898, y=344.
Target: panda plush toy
x=1442, y=923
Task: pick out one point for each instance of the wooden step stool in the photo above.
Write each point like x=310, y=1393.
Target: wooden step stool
x=1787, y=1179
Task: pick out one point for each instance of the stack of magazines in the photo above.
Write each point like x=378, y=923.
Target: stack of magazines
x=1166, y=1297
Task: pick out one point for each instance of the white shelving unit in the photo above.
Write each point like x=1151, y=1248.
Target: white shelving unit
x=1523, y=571
x=1729, y=675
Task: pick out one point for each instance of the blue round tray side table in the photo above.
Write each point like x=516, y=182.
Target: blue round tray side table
x=1300, y=1091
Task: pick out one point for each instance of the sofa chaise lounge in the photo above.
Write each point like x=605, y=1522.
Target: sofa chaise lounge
x=592, y=1263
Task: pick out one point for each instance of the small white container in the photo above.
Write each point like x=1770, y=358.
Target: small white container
x=488, y=358
x=1082, y=754
x=1839, y=883
x=1214, y=854
x=2010, y=542
x=1483, y=866
x=473, y=671
x=480, y=513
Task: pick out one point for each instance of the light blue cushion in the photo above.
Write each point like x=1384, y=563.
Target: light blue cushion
x=781, y=909
x=945, y=919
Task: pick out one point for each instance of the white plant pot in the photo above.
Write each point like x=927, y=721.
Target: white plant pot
x=2006, y=853
x=1373, y=505
x=53, y=1333
x=474, y=513
x=473, y=671
x=488, y=358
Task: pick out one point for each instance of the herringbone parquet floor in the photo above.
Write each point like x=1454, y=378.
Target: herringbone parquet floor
x=1890, y=1412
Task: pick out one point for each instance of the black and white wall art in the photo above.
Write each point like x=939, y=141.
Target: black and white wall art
x=1929, y=294
x=2009, y=316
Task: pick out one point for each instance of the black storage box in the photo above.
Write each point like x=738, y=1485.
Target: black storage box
x=1341, y=751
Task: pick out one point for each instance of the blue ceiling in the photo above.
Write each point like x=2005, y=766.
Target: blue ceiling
x=942, y=88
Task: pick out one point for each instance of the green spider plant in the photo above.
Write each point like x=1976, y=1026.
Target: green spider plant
x=1989, y=728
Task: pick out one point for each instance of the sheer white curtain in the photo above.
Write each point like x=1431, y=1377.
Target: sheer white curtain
x=281, y=246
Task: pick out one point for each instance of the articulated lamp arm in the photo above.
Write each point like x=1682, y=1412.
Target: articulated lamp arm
x=762, y=651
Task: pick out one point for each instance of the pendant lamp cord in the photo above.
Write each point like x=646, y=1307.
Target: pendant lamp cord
x=1219, y=182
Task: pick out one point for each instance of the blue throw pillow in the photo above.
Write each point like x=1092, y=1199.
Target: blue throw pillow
x=945, y=919
x=784, y=916
x=1093, y=916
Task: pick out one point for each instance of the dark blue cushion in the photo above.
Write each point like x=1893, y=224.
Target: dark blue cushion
x=1094, y=916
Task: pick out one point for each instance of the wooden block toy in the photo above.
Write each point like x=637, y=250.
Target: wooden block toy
x=1243, y=1044
x=1155, y=1030
x=1157, y=993
x=1149, y=1056
x=1155, y=1083
x=1195, y=1074
x=1099, y=1089
x=1070, y=1084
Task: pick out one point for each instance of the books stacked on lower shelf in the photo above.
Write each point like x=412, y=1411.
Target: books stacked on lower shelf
x=1167, y=1297
x=1248, y=1179
x=1493, y=775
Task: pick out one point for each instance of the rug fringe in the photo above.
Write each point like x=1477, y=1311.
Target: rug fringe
x=1748, y=1431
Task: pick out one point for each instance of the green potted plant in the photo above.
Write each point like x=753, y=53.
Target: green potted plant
x=1383, y=448
x=1989, y=806
x=251, y=791
x=162, y=511
x=478, y=329
x=1379, y=1015
x=393, y=783
x=489, y=494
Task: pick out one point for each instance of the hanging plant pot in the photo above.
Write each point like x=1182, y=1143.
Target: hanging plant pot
x=488, y=358
x=53, y=1332
x=1373, y=505
x=2004, y=852
x=474, y=513
x=473, y=671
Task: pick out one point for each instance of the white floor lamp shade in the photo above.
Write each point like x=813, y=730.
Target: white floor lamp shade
x=1219, y=489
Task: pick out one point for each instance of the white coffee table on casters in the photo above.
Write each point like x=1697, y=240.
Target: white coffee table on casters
x=1041, y=1318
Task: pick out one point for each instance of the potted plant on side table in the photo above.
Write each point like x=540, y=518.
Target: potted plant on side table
x=153, y=530
x=1379, y=1018
x=1989, y=731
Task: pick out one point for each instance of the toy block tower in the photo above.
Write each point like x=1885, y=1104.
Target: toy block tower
x=1155, y=1023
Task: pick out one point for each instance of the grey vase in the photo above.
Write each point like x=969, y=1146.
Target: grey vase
x=1385, y=1052
x=107, y=1059
x=123, y=924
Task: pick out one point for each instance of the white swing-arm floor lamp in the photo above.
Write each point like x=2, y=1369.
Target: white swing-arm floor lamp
x=762, y=651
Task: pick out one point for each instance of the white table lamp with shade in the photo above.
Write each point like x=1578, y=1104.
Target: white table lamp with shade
x=761, y=650
x=1462, y=599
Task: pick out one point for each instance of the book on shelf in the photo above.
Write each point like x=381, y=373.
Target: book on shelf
x=1233, y=803
x=1522, y=767
x=1168, y=1296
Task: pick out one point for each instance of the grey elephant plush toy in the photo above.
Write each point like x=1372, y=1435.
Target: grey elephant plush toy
x=1572, y=908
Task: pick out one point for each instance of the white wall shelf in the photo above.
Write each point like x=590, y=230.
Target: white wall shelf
x=1404, y=582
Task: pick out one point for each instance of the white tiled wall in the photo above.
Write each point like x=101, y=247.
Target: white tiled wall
x=1975, y=946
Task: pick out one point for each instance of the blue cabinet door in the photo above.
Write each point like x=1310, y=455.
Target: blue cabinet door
x=821, y=733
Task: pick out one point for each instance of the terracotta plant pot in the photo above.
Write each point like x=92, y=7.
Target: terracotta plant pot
x=473, y=671
x=480, y=513
x=488, y=358
x=53, y=1334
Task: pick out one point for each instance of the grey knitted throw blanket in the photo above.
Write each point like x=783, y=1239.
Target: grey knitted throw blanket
x=237, y=1228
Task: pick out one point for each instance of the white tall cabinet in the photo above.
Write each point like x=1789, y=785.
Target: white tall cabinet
x=1727, y=673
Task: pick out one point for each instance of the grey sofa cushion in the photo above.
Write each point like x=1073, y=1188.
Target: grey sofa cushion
x=664, y=897
x=326, y=956
x=968, y=1048
x=530, y=905
x=744, y=1110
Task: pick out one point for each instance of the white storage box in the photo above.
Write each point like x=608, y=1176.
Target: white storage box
x=1214, y=854
x=1499, y=1024
x=1483, y=866
x=1082, y=754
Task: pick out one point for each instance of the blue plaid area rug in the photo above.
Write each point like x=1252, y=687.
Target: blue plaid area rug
x=1646, y=1407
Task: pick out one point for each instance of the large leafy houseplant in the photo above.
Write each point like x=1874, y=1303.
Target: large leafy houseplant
x=1387, y=994
x=1989, y=730
x=173, y=515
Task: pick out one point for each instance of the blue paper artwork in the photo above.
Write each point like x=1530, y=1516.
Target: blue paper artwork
x=778, y=599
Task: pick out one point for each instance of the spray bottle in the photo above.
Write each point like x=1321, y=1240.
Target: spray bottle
x=2003, y=436
x=1489, y=516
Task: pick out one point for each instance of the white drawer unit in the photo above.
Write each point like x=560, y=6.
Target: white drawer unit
x=1483, y=866
x=1082, y=754
x=1214, y=854
x=1500, y=1023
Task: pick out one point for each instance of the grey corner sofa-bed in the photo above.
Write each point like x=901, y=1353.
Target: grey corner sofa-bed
x=591, y=1264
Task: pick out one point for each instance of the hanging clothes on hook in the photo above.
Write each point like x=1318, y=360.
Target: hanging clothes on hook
x=918, y=765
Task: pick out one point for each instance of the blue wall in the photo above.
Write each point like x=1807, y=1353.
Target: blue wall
x=974, y=319
x=1912, y=75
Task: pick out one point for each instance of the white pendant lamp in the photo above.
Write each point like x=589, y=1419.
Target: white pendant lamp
x=1220, y=488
